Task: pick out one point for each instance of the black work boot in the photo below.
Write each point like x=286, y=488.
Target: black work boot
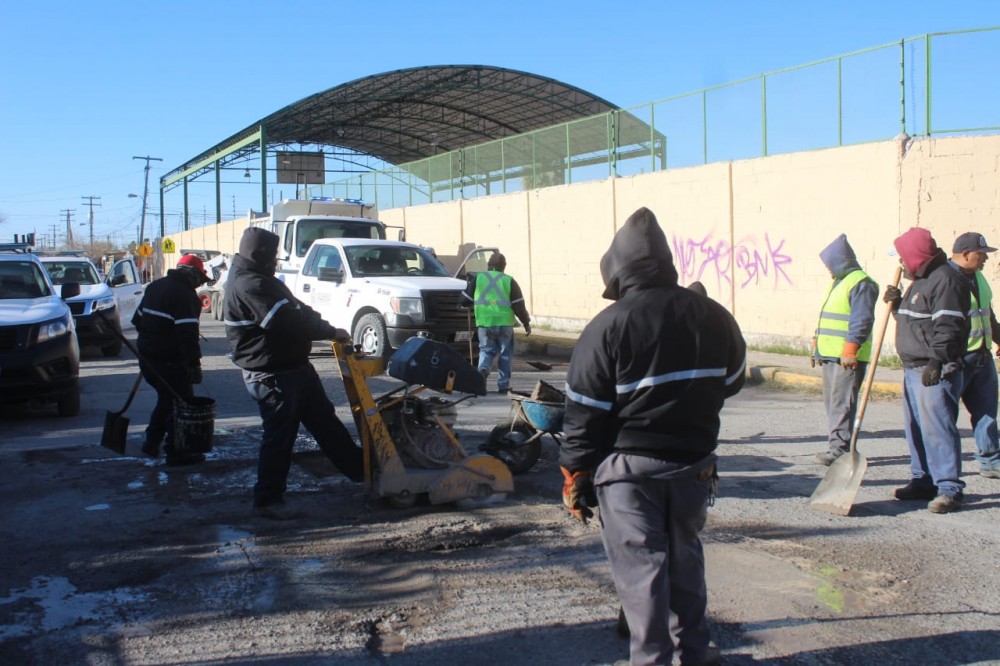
x=151, y=447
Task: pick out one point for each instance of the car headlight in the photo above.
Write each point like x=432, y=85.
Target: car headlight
x=55, y=328
x=104, y=303
x=411, y=307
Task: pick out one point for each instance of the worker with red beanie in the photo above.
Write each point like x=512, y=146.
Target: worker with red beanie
x=932, y=332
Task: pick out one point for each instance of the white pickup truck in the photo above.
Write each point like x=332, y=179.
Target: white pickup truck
x=384, y=292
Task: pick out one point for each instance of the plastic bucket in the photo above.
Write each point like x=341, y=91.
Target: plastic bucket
x=194, y=423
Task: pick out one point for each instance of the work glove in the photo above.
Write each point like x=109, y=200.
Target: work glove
x=341, y=336
x=849, y=355
x=812, y=353
x=527, y=329
x=578, y=494
x=893, y=296
x=932, y=373
x=194, y=374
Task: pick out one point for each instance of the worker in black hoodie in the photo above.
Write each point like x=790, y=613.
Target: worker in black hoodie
x=167, y=325
x=645, y=386
x=271, y=333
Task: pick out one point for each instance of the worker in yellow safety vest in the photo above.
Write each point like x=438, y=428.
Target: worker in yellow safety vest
x=979, y=374
x=842, y=343
x=497, y=299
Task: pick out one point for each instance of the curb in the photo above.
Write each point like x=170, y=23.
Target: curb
x=758, y=374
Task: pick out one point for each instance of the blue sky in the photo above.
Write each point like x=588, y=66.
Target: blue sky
x=87, y=86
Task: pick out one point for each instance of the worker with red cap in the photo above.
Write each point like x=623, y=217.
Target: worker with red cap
x=167, y=324
x=932, y=333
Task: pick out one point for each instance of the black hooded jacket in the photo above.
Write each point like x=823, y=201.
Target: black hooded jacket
x=932, y=319
x=650, y=373
x=167, y=318
x=268, y=329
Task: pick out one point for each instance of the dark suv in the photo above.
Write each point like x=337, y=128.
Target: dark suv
x=39, y=353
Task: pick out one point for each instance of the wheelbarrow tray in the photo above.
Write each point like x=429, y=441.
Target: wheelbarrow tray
x=544, y=416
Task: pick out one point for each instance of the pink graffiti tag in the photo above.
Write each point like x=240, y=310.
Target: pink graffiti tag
x=713, y=258
x=757, y=264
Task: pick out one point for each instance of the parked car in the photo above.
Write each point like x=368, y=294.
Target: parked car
x=39, y=352
x=103, y=307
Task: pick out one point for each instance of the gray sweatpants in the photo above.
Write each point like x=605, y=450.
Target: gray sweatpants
x=651, y=514
x=840, y=397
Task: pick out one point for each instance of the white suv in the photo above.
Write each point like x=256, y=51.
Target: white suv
x=39, y=353
x=98, y=311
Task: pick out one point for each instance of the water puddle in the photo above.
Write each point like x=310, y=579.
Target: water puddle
x=55, y=604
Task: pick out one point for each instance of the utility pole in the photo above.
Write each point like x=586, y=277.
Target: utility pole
x=69, y=226
x=90, y=202
x=145, y=194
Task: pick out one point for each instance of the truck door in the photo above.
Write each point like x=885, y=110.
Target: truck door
x=322, y=284
x=123, y=278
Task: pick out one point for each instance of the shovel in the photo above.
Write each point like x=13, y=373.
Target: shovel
x=116, y=424
x=836, y=492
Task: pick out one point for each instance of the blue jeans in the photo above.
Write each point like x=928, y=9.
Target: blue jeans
x=494, y=340
x=930, y=416
x=979, y=395
x=287, y=399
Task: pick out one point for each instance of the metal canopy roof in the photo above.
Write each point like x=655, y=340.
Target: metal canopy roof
x=411, y=114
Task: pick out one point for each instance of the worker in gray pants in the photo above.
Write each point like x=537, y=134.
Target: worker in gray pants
x=646, y=383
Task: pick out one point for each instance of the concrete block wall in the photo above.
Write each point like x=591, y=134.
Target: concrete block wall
x=750, y=230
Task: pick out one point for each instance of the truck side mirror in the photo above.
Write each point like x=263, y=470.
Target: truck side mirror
x=402, y=234
x=116, y=280
x=330, y=274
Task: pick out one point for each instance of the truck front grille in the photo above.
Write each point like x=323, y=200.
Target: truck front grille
x=442, y=306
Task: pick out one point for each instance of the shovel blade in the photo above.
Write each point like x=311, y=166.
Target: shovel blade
x=115, y=432
x=836, y=492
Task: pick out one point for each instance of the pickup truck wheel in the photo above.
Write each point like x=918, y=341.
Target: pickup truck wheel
x=372, y=335
x=69, y=403
x=217, y=305
x=206, y=300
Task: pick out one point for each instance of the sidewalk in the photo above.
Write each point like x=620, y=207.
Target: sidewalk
x=784, y=369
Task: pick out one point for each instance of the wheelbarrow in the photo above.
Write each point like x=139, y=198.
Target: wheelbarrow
x=518, y=440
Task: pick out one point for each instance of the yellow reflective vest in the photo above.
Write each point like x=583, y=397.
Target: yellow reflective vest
x=835, y=318
x=980, y=332
x=492, y=299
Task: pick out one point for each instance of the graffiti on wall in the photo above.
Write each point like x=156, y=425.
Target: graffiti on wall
x=752, y=262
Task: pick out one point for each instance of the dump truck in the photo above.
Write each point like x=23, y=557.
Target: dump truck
x=299, y=222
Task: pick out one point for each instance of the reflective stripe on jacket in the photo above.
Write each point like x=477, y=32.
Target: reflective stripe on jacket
x=979, y=315
x=835, y=317
x=492, y=299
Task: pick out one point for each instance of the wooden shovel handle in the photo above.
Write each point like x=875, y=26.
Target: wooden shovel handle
x=870, y=375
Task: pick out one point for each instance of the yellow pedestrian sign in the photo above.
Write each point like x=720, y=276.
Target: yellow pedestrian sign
x=168, y=246
x=144, y=250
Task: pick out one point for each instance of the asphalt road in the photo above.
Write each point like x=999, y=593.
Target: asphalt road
x=120, y=560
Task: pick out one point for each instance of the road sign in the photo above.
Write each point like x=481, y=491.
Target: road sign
x=168, y=246
x=144, y=250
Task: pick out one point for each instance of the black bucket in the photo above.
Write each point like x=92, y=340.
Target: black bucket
x=194, y=423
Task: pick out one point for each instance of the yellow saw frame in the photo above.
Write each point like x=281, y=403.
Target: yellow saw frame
x=476, y=476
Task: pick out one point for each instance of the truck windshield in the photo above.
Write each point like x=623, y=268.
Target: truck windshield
x=22, y=279
x=72, y=271
x=380, y=260
x=311, y=230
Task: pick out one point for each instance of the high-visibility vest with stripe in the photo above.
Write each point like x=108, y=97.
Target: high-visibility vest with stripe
x=835, y=318
x=492, y=299
x=979, y=315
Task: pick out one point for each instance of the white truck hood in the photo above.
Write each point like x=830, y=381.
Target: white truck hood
x=408, y=283
x=92, y=292
x=31, y=310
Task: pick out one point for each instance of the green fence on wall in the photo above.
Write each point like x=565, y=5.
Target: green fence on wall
x=934, y=84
